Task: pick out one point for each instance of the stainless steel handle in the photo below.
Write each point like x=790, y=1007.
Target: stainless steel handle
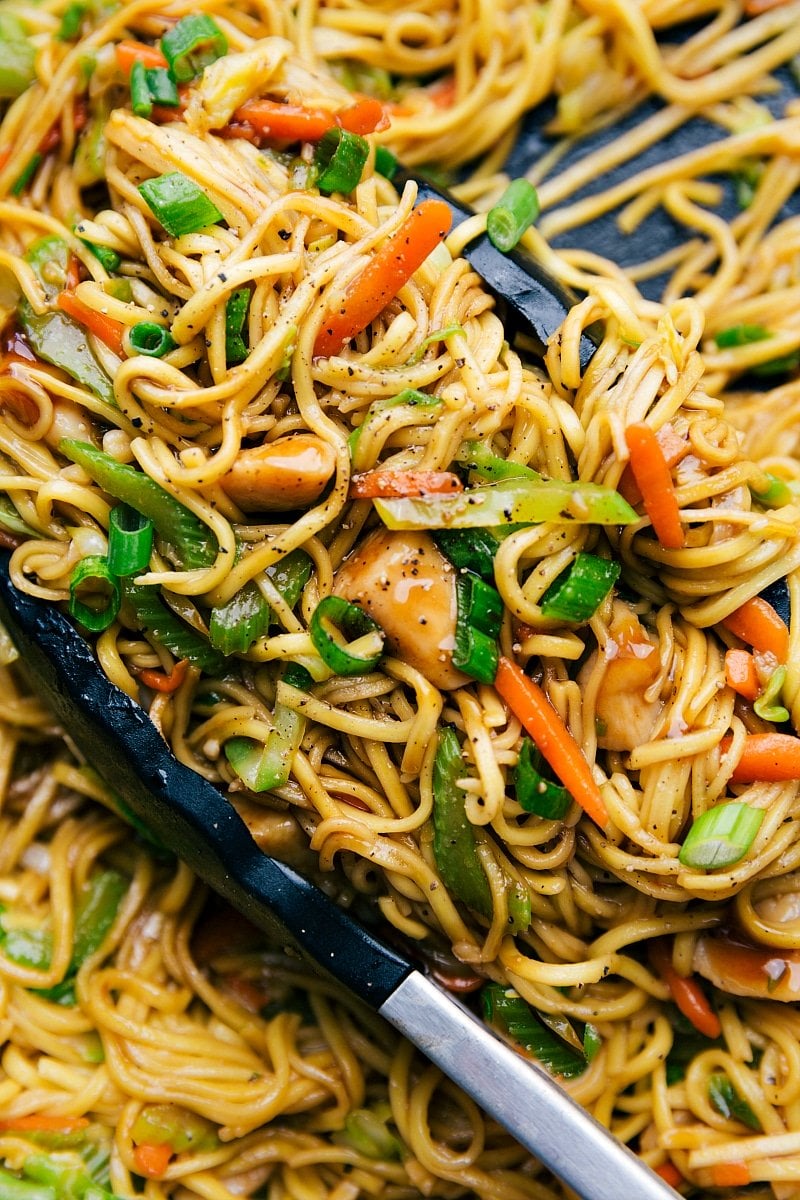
x=520, y=1095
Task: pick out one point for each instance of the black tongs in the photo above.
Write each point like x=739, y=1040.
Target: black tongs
x=192, y=817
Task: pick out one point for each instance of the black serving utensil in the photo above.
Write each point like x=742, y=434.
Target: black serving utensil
x=193, y=818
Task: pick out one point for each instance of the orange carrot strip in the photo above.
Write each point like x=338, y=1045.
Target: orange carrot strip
x=390, y=268
x=654, y=481
x=160, y=682
x=285, y=122
x=687, y=993
x=754, y=8
x=758, y=624
x=42, y=1123
x=670, y=1174
x=766, y=758
x=365, y=116
x=674, y=447
x=741, y=674
x=730, y=1174
x=530, y=704
x=152, y=1158
x=443, y=91
x=374, y=484
x=129, y=52
x=106, y=328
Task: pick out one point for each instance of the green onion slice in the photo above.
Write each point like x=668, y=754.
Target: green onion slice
x=767, y=705
x=94, y=596
x=141, y=100
x=146, y=337
x=477, y=457
x=537, y=793
x=577, y=593
x=104, y=255
x=236, y=349
x=340, y=157
x=130, y=540
x=469, y=550
x=409, y=397
x=479, y=615
x=506, y=1010
x=385, y=162
x=721, y=836
x=359, y=646
x=727, y=1101
x=515, y=211
x=741, y=335
x=179, y=204
x=71, y=22
x=191, y=45
x=162, y=87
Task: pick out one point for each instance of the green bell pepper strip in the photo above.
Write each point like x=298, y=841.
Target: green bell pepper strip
x=508, y=1012
x=454, y=846
x=53, y=336
x=188, y=540
x=265, y=767
x=169, y=630
x=512, y=501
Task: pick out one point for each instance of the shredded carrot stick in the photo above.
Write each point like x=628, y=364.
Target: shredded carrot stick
x=285, y=122
x=160, y=682
x=687, y=993
x=674, y=447
x=42, y=1123
x=654, y=481
x=106, y=328
x=129, y=52
x=741, y=674
x=758, y=624
x=530, y=704
x=730, y=1174
x=374, y=484
x=390, y=268
x=669, y=1173
x=151, y=1159
x=766, y=758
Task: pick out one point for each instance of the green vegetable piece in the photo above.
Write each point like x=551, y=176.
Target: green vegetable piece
x=409, y=396
x=592, y=1042
x=162, y=87
x=340, y=158
x=191, y=45
x=366, y=1130
x=94, y=595
x=775, y=494
x=579, y=590
x=269, y=766
x=767, y=705
x=141, y=100
x=146, y=337
x=90, y=153
x=179, y=1128
x=721, y=836
x=17, y=66
x=26, y=175
x=741, y=335
x=53, y=336
x=27, y=947
x=71, y=22
x=66, y=1175
x=186, y=538
x=727, y=1101
x=507, y=1012
x=479, y=615
x=782, y=365
x=469, y=550
x=335, y=624
x=454, y=844
x=515, y=211
x=179, y=204
x=385, y=162
x=537, y=793
x=519, y=908
x=290, y=575
x=95, y=913
x=14, y=1188
x=12, y=521
x=169, y=630
x=130, y=541
x=513, y=501
x=236, y=348
x=104, y=254
x=477, y=457
x=234, y=626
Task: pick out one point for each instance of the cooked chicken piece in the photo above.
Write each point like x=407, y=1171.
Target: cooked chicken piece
x=747, y=970
x=632, y=665
x=291, y=472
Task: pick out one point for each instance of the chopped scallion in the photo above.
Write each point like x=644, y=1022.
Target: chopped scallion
x=363, y=647
x=94, y=595
x=26, y=174
x=579, y=591
x=340, y=157
x=236, y=349
x=130, y=540
x=71, y=22
x=469, y=550
x=515, y=211
x=479, y=615
x=179, y=204
x=385, y=162
x=141, y=100
x=721, y=836
x=768, y=705
x=535, y=792
x=191, y=45
x=146, y=337
x=162, y=87
x=104, y=255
